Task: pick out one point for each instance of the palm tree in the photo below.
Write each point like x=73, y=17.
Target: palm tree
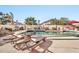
x=63, y=21
x=6, y=18
x=30, y=21
x=1, y=17
x=12, y=16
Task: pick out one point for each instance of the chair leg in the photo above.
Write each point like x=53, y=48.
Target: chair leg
x=16, y=47
x=44, y=51
x=34, y=51
x=49, y=51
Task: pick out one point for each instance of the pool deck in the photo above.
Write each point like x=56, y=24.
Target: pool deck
x=59, y=38
x=63, y=38
x=58, y=46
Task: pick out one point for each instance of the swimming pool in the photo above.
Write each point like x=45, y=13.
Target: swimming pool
x=56, y=33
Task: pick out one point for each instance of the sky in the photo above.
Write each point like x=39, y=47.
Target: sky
x=42, y=12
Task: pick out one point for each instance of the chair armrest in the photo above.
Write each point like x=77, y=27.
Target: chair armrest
x=37, y=44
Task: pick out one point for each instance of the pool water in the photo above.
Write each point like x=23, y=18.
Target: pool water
x=56, y=33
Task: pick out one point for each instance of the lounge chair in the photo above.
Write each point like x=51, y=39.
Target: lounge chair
x=44, y=44
x=6, y=39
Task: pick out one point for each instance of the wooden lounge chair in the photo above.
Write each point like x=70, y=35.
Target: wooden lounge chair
x=6, y=39
x=20, y=43
x=44, y=44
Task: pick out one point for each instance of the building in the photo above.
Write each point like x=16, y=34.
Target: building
x=47, y=24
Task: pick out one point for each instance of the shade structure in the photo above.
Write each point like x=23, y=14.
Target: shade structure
x=73, y=22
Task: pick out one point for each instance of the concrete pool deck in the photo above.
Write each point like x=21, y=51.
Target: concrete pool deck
x=58, y=46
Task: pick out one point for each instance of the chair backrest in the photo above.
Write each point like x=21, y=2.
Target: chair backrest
x=46, y=44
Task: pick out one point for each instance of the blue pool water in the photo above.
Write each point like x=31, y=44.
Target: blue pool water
x=56, y=33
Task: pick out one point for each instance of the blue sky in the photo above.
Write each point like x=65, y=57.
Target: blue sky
x=42, y=12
